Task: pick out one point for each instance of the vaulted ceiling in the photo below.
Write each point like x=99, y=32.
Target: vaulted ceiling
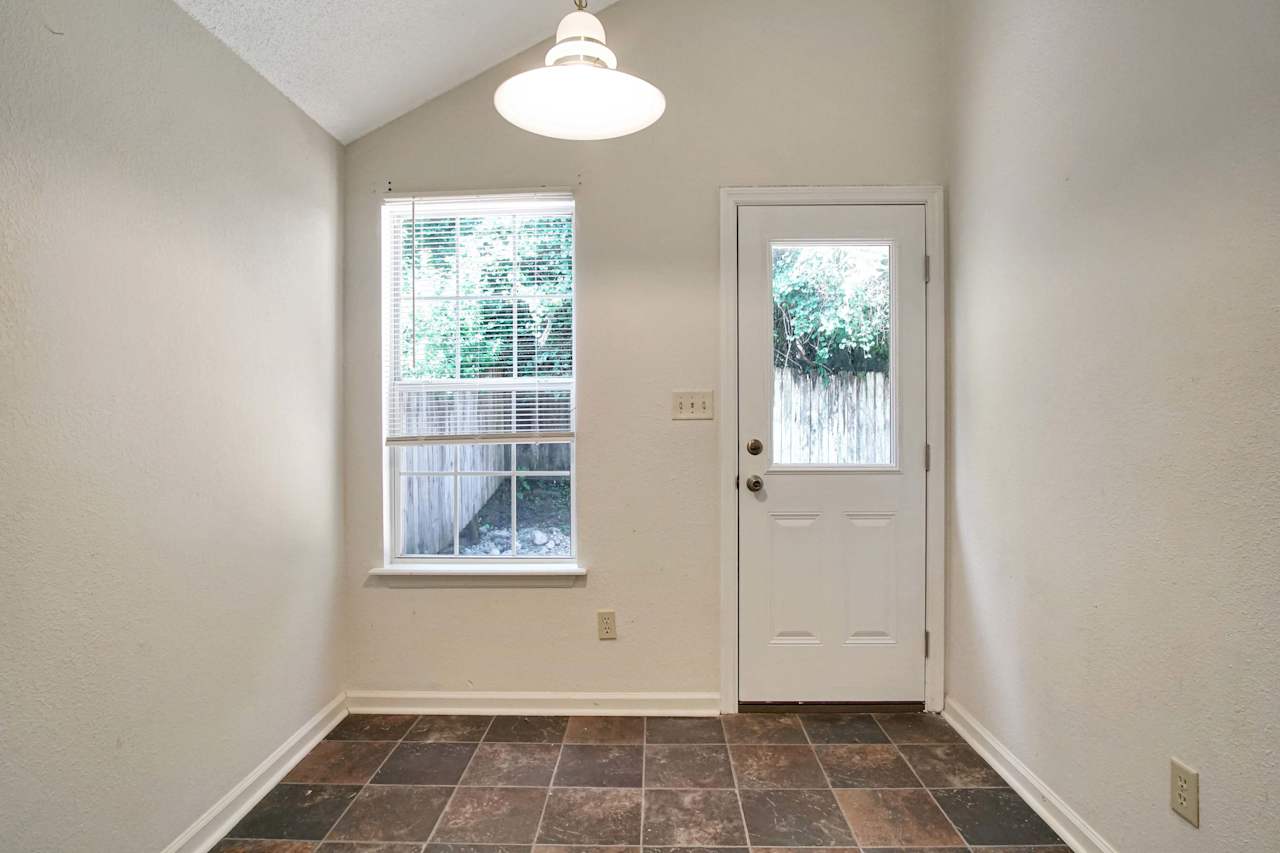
x=354, y=66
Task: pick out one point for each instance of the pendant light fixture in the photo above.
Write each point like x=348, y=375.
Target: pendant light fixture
x=580, y=93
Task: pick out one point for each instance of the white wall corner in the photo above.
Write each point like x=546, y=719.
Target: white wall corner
x=210, y=827
x=1055, y=811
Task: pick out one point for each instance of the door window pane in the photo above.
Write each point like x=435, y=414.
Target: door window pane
x=832, y=318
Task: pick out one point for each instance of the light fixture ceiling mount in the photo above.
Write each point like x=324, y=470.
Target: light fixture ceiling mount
x=579, y=93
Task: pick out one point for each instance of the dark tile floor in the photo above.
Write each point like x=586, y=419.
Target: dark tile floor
x=465, y=784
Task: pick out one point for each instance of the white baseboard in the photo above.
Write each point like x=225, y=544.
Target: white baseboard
x=211, y=826
x=1064, y=820
x=581, y=704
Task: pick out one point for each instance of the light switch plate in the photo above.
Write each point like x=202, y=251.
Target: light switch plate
x=693, y=405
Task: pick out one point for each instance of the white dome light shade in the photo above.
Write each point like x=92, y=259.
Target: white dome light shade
x=579, y=94
x=579, y=102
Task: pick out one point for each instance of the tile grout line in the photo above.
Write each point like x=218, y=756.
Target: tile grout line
x=825, y=775
x=737, y=787
x=932, y=798
x=644, y=766
x=546, y=800
x=440, y=817
x=364, y=786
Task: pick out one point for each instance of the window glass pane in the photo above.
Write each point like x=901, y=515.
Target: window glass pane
x=542, y=515
x=486, y=255
x=425, y=458
x=434, y=261
x=545, y=344
x=486, y=337
x=545, y=255
x=832, y=315
x=426, y=515
x=484, y=457
x=428, y=339
x=485, y=512
x=543, y=457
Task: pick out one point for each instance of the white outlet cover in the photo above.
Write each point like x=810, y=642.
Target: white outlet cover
x=1184, y=792
x=693, y=405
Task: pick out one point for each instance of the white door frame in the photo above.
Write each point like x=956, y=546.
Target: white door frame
x=931, y=197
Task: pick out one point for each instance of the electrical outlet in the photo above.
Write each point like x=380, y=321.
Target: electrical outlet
x=693, y=405
x=1184, y=791
x=607, y=624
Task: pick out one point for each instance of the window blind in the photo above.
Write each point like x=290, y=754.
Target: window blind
x=479, y=323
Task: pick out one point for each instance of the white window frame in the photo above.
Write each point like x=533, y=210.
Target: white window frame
x=398, y=569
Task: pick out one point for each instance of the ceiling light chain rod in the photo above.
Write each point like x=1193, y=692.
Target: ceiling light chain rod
x=581, y=4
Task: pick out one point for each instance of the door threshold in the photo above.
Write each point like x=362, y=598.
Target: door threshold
x=830, y=707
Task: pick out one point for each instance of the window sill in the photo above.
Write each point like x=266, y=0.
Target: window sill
x=477, y=575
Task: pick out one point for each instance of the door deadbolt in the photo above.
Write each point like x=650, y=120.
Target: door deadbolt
x=755, y=446
x=754, y=483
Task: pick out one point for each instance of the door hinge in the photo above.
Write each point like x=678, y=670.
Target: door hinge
x=736, y=479
x=926, y=269
x=926, y=643
x=928, y=457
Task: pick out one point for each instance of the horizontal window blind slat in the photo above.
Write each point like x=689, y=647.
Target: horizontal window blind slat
x=485, y=438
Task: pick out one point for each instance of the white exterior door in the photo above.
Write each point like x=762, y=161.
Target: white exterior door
x=831, y=504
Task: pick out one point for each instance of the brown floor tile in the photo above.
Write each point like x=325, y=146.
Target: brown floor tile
x=243, y=846
x=372, y=727
x=527, y=730
x=591, y=816
x=692, y=819
x=425, y=764
x=600, y=766
x=368, y=847
x=763, y=728
x=843, y=728
x=491, y=816
x=459, y=728
x=917, y=728
x=684, y=730
x=392, y=813
x=512, y=764
x=712, y=850
x=338, y=762
x=565, y=848
x=302, y=812
x=777, y=767
x=605, y=730
x=810, y=850
x=994, y=816
x=866, y=765
x=1036, y=849
x=478, y=848
x=951, y=766
x=687, y=766
x=895, y=817
x=794, y=819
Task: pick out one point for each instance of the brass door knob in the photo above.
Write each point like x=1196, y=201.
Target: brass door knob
x=755, y=446
x=754, y=483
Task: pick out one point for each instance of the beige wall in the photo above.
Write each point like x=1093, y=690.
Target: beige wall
x=832, y=92
x=1114, y=549
x=169, y=469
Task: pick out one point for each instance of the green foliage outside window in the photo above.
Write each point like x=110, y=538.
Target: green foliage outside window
x=516, y=318
x=831, y=310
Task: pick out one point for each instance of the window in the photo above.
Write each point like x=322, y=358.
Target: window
x=479, y=384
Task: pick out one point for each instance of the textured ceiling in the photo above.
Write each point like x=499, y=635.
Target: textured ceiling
x=354, y=65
